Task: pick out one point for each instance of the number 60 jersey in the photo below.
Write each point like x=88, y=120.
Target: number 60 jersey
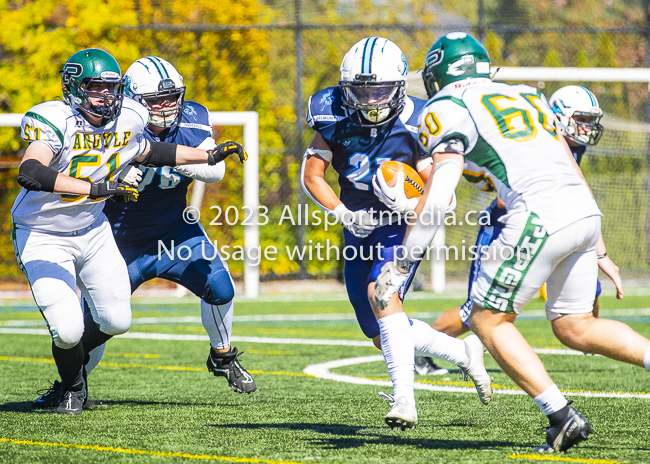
x=83, y=151
x=507, y=135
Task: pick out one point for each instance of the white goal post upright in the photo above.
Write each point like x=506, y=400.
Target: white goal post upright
x=537, y=74
x=250, y=121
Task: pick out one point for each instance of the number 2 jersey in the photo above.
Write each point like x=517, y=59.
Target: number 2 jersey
x=508, y=138
x=163, y=190
x=358, y=151
x=83, y=151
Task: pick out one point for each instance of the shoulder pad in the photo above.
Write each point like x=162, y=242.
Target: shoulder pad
x=196, y=116
x=324, y=108
x=131, y=105
x=46, y=122
x=410, y=113
x=446, y=118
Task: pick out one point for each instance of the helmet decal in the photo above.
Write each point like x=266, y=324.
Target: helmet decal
x=406, y=65
x=459, y=67
x=159, y=67
x=434, y=57
x=109, y=75
x=73, y=69
x=456, y=35
x=366, y=67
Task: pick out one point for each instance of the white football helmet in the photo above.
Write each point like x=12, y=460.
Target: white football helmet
x=373, y=81
x=156, y=84
x=578, y=114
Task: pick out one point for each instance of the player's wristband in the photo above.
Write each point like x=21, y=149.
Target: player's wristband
x=602, y=256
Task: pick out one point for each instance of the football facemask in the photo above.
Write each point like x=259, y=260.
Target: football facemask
x=164, y=107
x=105, y=103
x=584, y=128
x=378, y=102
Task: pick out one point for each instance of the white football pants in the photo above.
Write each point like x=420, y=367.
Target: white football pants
x=55, y=264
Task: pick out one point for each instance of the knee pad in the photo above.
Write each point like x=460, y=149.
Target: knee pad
x=117, y=322
x=221, y=289
x=68, y=335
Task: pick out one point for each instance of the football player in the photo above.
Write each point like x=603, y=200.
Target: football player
x=157, y=217
x=364, y=121
x=78, y=155
x=506, y=135
x=578, y=119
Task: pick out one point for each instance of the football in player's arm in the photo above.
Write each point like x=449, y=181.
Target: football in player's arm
x=364, y=121
x=157, y=218
x=78, y=150
x=578, y=117
x=551, y=233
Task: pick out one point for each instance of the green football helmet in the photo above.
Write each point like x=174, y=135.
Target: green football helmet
x=93, y=66
x=454, y=57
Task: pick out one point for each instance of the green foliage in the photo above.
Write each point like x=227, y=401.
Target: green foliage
x=256, y=70
x=553, y=59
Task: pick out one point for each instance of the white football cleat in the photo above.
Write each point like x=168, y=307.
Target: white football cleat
x=402, y=414
x=476, y=368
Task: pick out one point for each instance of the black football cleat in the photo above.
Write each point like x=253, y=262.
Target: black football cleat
x=72, y=403
x=49, y=398
x=574, y=429
x=227, y=365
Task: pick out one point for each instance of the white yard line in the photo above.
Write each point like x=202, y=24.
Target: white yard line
x=309, y=317
x=322, y=371
x=267, y=340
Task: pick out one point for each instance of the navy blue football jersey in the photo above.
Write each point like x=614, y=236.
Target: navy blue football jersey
x=163, y=191
x=578, y=152
x=358, y=151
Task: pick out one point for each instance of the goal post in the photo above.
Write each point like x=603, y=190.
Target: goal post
x=250, y=122
x=622, y=137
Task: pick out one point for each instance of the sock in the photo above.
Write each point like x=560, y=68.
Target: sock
x=93, y=358
x=430, y=342
x=560, y=416
x=646, y=359
x=551, y=400
x=217, y=321
x=70, y=366
x=397, y=348
x=92, y=336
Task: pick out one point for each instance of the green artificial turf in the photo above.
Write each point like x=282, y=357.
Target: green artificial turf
x=154, y=399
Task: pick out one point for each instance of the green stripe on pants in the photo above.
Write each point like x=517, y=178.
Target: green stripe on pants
x=512, y=272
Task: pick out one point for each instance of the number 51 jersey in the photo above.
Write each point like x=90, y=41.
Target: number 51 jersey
x=82, y=151
x=508, y=138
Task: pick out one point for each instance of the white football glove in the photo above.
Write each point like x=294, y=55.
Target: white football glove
x=393, y=197
x=388, y=283
x=359, y=223
x=131, y=175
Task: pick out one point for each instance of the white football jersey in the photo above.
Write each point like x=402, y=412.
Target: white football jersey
x=507, y=135
x=83, y=151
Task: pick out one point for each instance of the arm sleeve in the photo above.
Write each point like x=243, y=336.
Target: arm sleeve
x=204, y=172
